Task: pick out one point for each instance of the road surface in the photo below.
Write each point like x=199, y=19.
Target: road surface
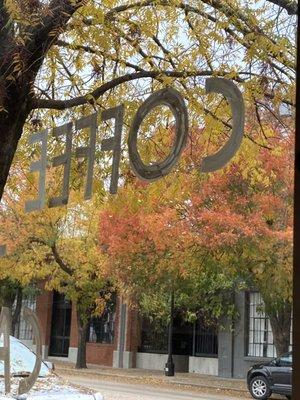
x=123, y=391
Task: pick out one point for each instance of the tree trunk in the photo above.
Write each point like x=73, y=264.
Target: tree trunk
x=16, y=87
x=11, y=127
x=82, y=338
x=281, y=327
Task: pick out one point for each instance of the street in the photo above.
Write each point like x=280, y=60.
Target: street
x=122, y=391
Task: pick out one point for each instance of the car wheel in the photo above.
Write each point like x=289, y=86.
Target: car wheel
x=259, y=388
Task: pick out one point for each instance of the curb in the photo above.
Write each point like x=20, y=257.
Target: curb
x=71, y=371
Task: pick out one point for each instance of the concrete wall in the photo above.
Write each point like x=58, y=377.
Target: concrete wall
x=233, y=361
x=72, y=356
x=225, y=350
x=158, y=361
x=204, y=365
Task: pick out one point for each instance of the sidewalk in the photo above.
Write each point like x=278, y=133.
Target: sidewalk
x=157, y=378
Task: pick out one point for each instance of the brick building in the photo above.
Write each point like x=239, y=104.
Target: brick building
x=106, y=335
x=121, y=338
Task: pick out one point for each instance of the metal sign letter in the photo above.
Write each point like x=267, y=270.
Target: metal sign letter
x=114, y=143
x=65, y=160
x=88, y=151
x=39, y=166
x=173, y=99
x=27, y=383
x=235, y=99
x=2, y=250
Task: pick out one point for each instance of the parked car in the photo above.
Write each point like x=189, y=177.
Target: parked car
x=274, y=376
x=48, y=385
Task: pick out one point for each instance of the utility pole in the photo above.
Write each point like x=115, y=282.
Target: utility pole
x=169, y=367
x=296, y=276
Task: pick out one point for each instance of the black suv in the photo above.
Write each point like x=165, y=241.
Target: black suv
x=271, y=377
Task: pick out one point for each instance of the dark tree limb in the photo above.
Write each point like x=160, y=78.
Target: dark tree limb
x=289, y=5
x=90, y=50
x=17, y=91
x=94, y=95
x=61, y=263
x=44, y=35
x=57, y=258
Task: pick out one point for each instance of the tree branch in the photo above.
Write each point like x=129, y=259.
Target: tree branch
x=289, y=5
x=88, y=49
x=44, y=35
x=240, y=21
x=94, y=95
x=65, y=267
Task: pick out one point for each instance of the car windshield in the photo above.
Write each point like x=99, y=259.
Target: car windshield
x=286, y=358
x=22, y=360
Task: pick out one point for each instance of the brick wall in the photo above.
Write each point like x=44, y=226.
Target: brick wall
x=44, y=314
x=73, y=331
x=98, y=353
x=133, y=333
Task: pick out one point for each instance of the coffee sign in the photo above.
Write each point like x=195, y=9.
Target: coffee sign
x=168, y=97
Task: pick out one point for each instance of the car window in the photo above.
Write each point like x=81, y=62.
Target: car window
x=22, y=359
x=286, y=360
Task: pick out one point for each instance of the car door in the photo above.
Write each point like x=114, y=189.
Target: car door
x=281, y=372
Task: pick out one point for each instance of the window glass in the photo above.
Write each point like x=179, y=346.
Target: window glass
x=102, y=329
x=286, y=360
x=260, y=335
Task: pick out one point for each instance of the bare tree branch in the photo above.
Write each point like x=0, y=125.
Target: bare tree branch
x=44, y=35
x=236, y=16
x=95, y=94
x=88, y=49
x=289, y=5
x=64, y=266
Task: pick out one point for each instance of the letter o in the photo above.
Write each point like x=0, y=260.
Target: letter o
x=173, y=99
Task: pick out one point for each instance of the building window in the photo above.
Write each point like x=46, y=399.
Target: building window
x=154, y=337
x=205, y=340
x=260, y=338
x=23, y=329
x=260, y=335
x=101, y=329
x=188, y=339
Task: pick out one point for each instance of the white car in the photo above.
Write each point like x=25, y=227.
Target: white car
x=48, y=386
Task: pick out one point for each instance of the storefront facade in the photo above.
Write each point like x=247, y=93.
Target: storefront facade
x=120, y=338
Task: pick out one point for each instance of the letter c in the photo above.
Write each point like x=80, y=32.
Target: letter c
x=235, y=99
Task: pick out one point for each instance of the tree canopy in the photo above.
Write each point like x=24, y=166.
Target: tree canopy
x=64, y=59
x=81, y=56
x=57, y=247
x=207, y=236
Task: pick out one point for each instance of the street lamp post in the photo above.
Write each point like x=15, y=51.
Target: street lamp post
x=169, y=367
